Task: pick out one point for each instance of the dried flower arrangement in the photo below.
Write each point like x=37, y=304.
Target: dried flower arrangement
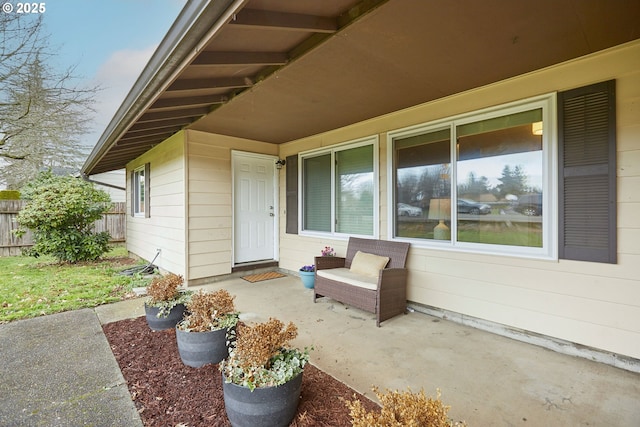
x=261, y=356
x=164, y=293
x=401, y=409
x=209, y=312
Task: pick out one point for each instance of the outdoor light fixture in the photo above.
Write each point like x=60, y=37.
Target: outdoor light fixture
x=536, y=128
x=280, y=163
x=440, y=209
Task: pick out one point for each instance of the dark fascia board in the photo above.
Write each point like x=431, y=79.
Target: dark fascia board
x=197, y=19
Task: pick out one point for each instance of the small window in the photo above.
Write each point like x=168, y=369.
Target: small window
x=339, y=190
x=140, y=191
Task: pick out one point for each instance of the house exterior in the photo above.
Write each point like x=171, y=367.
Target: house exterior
x=261, y=132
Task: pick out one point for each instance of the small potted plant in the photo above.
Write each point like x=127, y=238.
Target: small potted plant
x=328, y=251
x=262, y=377
x=202, y=333
x=166, y=303
x=308, y=276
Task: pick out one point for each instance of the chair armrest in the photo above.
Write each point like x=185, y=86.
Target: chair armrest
x=392, y=277
x=325, y=262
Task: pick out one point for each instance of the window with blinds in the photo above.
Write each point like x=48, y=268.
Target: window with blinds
x=339, y=189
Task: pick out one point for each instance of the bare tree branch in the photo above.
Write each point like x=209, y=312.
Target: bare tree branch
x=43, y=111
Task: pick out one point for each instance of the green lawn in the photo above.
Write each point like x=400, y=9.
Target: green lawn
x=31, y=287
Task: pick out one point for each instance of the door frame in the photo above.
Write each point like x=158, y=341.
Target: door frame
x=276, y=203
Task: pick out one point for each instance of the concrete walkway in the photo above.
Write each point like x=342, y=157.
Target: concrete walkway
x=487, y=380
x=58, y=370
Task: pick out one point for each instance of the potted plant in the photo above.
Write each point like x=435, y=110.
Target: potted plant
x=262, y=376
x=202, y=333
x=166, y=303
x=328, y=251
x=308, y=275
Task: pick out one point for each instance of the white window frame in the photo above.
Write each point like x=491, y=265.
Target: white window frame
x=549, y=249
x=369, y=140
x=138, y=196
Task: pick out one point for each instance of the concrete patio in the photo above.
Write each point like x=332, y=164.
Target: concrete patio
x=488, y=380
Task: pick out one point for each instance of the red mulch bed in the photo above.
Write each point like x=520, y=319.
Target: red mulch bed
x=168, y=393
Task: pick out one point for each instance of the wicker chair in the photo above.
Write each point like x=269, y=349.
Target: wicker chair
x=389, y=298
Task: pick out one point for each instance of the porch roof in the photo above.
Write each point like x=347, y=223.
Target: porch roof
x=277, y=71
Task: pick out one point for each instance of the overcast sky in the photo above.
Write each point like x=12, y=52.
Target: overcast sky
x=109, y=42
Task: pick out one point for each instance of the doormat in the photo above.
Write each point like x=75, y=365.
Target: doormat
x=263, y=276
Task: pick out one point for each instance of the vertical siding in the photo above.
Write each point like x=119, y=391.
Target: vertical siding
x=592, y=304
x=165, y=229
x=210, y=212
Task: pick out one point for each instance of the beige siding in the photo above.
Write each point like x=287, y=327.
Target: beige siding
x=592, y=304
x=165, y=229
x=210, y=216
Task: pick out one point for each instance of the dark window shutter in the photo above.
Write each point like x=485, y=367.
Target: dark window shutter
x=292, y=194
x=147, y=190
x=587, y=173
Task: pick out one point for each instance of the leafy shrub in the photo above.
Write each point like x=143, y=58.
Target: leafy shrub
x=9, y=195
x=61, y=212
x=400, y=409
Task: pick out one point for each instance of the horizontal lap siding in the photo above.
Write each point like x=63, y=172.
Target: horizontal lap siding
x=165, y=228
x=210, y=214
x=592, y=304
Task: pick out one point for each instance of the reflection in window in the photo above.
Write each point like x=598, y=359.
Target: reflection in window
x=499, y=167
x=423, y=185
x=494, y=179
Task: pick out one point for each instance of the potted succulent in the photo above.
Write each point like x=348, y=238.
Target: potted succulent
x=202, y=333
x=262, y=377
x=308, y=276
x=166, y=303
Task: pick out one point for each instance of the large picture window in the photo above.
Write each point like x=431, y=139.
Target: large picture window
x=479, y=181
x=339, y=190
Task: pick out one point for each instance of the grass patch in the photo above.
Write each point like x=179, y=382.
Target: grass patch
x=31, y=287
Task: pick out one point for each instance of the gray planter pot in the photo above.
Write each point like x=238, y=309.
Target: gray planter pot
x=201, y=348
x=160, y=324
x=262, y=407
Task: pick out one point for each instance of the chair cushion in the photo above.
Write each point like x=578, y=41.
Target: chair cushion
x=348, y=277
x=368, y=264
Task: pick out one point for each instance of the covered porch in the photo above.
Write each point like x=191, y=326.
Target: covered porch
x=487, y=379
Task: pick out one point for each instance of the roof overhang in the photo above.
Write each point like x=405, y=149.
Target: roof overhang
x=276, y=71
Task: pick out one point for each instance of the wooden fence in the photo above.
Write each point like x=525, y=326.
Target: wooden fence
x=113, y=221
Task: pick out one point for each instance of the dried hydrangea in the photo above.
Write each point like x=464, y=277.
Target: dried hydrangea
x=210, y=311
x=164, y=288
x=403, y=409
x=164, y=294
x=261, y=357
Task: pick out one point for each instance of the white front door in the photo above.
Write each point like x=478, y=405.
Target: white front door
x=254, y=208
